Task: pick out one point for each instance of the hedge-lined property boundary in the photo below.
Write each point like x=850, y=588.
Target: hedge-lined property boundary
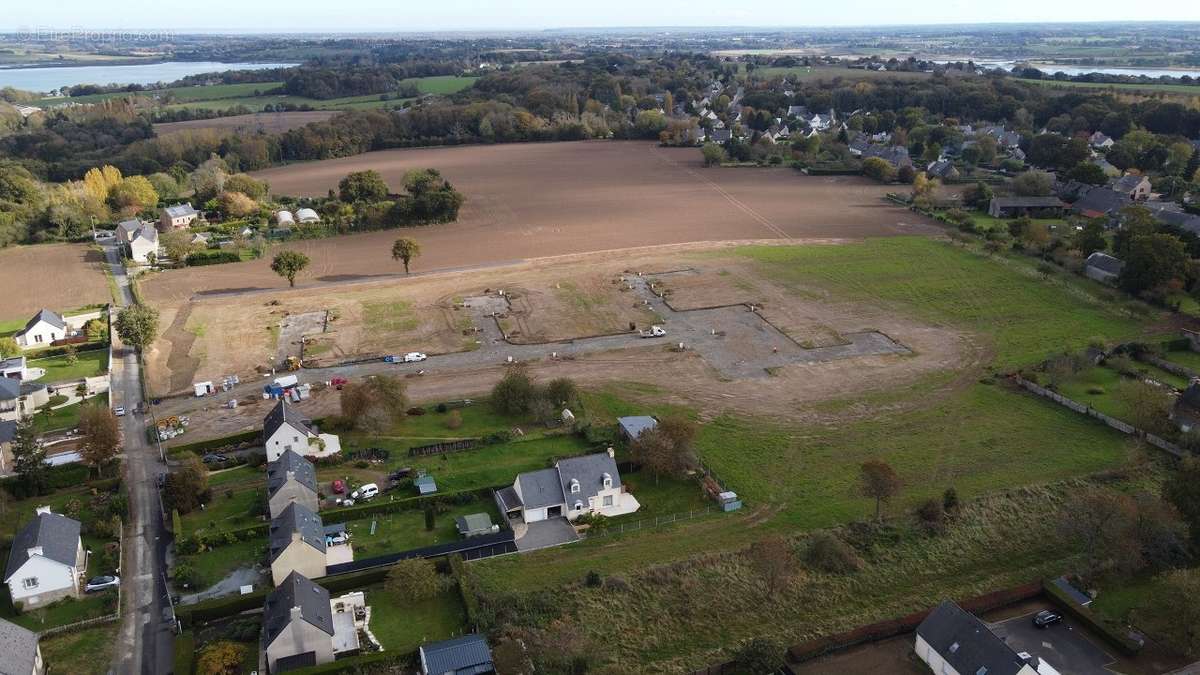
x=220, y=608
x=1121, y=642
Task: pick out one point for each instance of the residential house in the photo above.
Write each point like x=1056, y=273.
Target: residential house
x=1103, y=267
x=1012, y=207
x=8, y=432
x=47, y=561
x=307, y=216
x=1100, y=141
x=1174, y=215
x=942, y=168
x=466, y=655
x=285, y=428
x=797, y=112
x=177, y=217
x=45, y=328
x=20, y=653
x=859, y=146
x=571, y=488
x=896, y=155
x=143, y=248
x=291, y=479
x=17, y=368
x=297, y=544
x=126, y=229
x=952, y=641
x=720, y=135
x=1108, y=169
x=1100, y=202
x=298, y=628
x=1186, y=411
x=1135, y=187
x=633, y=426
x=20, y=399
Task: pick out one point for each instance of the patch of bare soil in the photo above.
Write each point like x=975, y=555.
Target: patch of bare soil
x=581, y=303
x=50, y=276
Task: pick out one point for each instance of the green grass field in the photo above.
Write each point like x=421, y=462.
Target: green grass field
x=213, y=566
x=66, y=417
x=87, y=364
x=403, y=626
x=1182, y=89
x=83, y=652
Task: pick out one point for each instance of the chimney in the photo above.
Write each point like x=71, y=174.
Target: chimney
x=291, y=476
x=34, y=550
x=296, y=537
x=43, y=510
x=296, y=614
x=611, y=453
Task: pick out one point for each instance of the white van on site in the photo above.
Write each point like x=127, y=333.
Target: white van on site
x=365, y=492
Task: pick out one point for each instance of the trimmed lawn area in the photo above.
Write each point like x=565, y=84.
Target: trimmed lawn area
x=1187, y=359
x=985, y=222
x=212, y=566
x=82, y=652
x=66, y=417
x=60, y=613
x=404, y=626
x=228, y=513
x=87, y=364
x=663, y=497
x=1098, y=387
x=405, y=530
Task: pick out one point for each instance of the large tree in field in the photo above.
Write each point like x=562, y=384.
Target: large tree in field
x=137, y=325
x=515, y=393
x=288, y=264
x=405, y=250
x=1152, y=261
x=878, y=480
x=101, y=436
x=362, y=186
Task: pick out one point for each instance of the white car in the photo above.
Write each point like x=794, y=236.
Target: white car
x=413, y=357
x=336, y=539
x=365, y=492
x=102, y=583
x=119, y=411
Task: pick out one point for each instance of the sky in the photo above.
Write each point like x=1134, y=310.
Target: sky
x=324, y=16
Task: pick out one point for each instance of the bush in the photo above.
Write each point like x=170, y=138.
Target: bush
x=454, y=420
x=932, y=516
x=827, y=553
x=212, y=258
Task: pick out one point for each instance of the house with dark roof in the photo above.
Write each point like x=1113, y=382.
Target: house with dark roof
x=1100, y=202
x=1186, y=411
x=466, y=655
x=571, y=488
x=1099, y=140
x=20, y=653
x=42, y=330
x=1135, y=187
x=286, y=428
x=177, y=217
x=1103, y=267
x=1013, y=207
x=896, y=155
x=952, y=641
x=635, y=425
x=297, y=544
x=297, y=625
x=942, y=168
x=126, y=229
x=291, y=479
x=47, y=561
x=19, y=399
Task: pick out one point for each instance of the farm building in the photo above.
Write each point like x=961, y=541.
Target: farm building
x=1099, y=202
x=1013, y=207
x=952, y=641
x=284, y=218
x=1103, y=267
x=307, y=216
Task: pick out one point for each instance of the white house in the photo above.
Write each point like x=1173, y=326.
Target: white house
x=47, y=561
x=20, y=653
x=177, y=217
x=126, y=229
x=285, y=428
x=44, y=328
x=20, y=399
x=307, y=216
x=572, y=488
x=144, y=244
x=952, y=641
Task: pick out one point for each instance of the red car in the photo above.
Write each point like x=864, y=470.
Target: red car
x=339, y=382
x=339, y=487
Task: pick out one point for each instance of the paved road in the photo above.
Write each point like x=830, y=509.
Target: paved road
x=145, y=640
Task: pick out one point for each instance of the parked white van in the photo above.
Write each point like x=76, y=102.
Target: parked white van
x=368, y=491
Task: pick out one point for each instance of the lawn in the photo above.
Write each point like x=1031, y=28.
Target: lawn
x=1184, y=89
x=986, y=223
x=1099, y=388
x=212, y=566
x=243, y=95
x=88, y=651
x=405, y=530
x=66, y=417
x=404, y=626
x=229, y=513
x=60, y=613
x=1185, y=358
x=181, y=94
x=59, y=369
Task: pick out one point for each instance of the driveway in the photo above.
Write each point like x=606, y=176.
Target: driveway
x=1065, y=646
x=546, y=533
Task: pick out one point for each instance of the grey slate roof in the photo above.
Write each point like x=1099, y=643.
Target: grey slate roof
x=296, y=518
x=509, y=498
x=180, y=210
x=1127, y=183
x=18, y=648
x=49, y=317
x=281, y=413
x=296, y=591
x=1101, y=200
x=1027, y=202
x=540, y=488
x=302, y=472
x=129, y=226
x=10, y=389
x=466, y=655
x=57, y=534
x=634, y=426
x=1105, y=263
x=589, y=470
x=966, y=643
x=8, y=431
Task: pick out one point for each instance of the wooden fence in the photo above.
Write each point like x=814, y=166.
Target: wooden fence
x=440, y=448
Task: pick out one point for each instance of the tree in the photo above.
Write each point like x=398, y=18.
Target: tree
x=29, y=458
x=236, y=204
x=924, y=190
x=1087, y=172
x=773, y=561
x=878, y=480
x=137, y=325
x=1149, y=406
x=405, y=250
x=288, y=264
x=9, y=347
x=1182, y=490
x=932, y=515
x=879, y=169
x=1152, y=261
x=375, y=404
x=1091, y=238
x=186, y=488
x=978, y=196
x=221, y=658
x=561, y=392
x=713, y=154
x=362, y=186
x=252, y=188
x=177, y=245
x=101, y=436
x=1036, y=235
x=412, y=580
x=667, y=448
x=758, y=656
x=1033, y=184
x=514, y=393
x=133, y=194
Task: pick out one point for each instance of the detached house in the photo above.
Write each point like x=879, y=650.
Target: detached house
x=1134, y=187
x=126, y=229
x=144, y=244
x=297, y=544
x=177, y=217
x=1103, y=267
x=291, y=479
x=19, y=399
x=285, y=428
x=47, y=561
x=297, y=625
x=45, y=328
x=20, y=653
x=952, y=641
x=1100, y=141
x=571, y=488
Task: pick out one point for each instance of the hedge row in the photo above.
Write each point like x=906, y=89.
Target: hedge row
x=57, y=478
x=212, y=258
x=185, y=653
x=80, y=348
x=1111, y=634
x=469, y=600
x=355, y=664
x=201, y=447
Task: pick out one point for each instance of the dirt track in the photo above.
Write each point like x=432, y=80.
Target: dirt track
x=532, y=200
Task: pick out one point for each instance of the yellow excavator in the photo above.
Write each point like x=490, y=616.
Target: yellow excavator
x=294, y=363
